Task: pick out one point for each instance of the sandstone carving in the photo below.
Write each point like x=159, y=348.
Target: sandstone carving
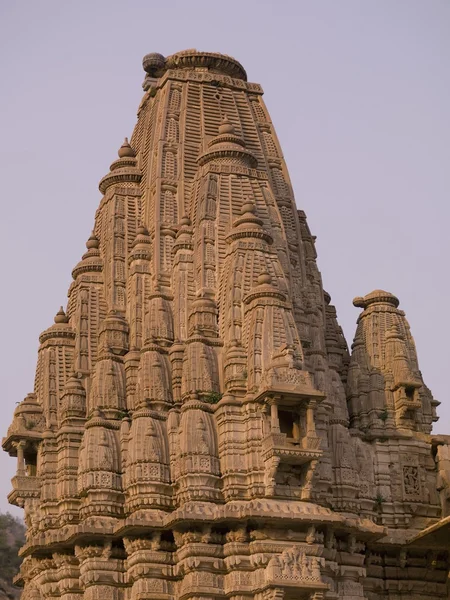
x=198, y=427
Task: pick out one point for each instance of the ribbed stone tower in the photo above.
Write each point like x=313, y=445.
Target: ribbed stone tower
x=198, y=430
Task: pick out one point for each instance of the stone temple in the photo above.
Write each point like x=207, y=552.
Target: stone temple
x=198, y=429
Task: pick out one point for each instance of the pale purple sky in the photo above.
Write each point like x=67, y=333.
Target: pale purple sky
x=359, y=93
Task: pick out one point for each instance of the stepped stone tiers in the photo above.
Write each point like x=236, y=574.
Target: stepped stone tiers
x=198, y=429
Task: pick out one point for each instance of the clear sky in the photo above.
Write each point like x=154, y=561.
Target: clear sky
x=358, y=90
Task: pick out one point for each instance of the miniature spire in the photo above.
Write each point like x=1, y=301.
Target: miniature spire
x=142, y=230
x=228, y=145
x=92, y=242
x=126, y=151
x=375, y=297
x=61, y=316
x=153, y=63
x=385, y=347
x=226, y=127
x=141, y=245
x=248, y=207
x=185, y=221
x=264, y=278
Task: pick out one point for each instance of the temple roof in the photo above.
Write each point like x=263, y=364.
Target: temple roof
x=156, y=64
x=196, y=419
x=377, y=296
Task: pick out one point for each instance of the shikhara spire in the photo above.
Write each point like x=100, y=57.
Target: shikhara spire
x=198, y=428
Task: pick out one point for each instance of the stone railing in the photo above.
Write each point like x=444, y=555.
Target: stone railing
x=24, y=487
x=290, y=450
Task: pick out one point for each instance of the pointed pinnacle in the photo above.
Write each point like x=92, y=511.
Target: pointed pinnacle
x=126, y=151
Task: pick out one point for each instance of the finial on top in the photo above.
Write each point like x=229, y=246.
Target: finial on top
x=264, y=278
x=92, y=242
x=142, y=230
x=153, y=63
x=226, y=126
x=248, y=207
x=376, y=297
x=74, y=383
x=185, y=221
x=126, y=151
x=61, y=316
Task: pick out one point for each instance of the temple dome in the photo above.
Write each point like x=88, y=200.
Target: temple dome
x=155, y=64
x=377, y=296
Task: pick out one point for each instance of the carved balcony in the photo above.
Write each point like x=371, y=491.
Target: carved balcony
x=407, y=401
x=24, y=487
x=27, y=426
x=290, y=450
x=300, y=455
x=288, y=387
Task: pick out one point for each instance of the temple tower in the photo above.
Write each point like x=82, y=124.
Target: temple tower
x=198, y=428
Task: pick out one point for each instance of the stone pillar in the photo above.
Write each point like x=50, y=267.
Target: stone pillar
x=310, y=425
x=274, y=420
x=30, y=592
x=443, y=478
x=296, y=430
x=69, y=576
x=101, y=574
x=20, y=459
x=198, y=563
x=273, y=593
x=148, y=559
x=351, y=571
x=44, y=578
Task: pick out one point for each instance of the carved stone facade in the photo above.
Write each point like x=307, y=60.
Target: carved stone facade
x=198, y=428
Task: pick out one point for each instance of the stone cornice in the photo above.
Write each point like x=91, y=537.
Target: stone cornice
x=131, y=175
x=280, y=512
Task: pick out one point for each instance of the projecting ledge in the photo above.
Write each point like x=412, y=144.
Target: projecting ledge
x=24, y=486
x=436, y=536
x=290, y=450
x=289, y=395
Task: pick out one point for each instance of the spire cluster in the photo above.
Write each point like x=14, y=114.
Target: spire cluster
x=198, y=426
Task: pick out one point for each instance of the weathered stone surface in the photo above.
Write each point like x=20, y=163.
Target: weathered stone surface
x=198, y=428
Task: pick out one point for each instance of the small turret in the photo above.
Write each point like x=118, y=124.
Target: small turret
x=126, y=151
x=99, y=468
x=386, y=387
x=55, y=363
x=90, y=261
x=228, y=147
x=87, y=307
